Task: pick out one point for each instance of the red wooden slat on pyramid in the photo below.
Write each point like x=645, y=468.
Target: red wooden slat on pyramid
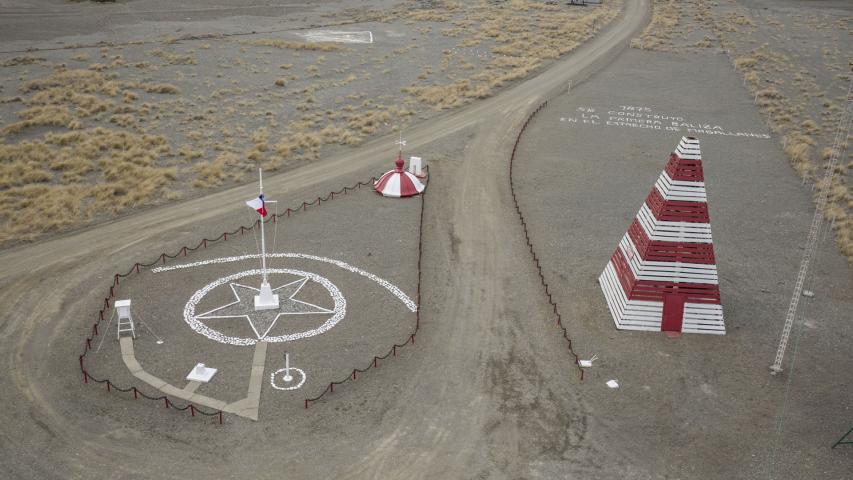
x=663, y=274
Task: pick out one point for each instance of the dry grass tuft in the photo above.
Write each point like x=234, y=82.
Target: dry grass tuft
x=318, y=46
x=173, y=58
x=798, y=147
x=159, y=88
x=210, y=174
x=23, y=60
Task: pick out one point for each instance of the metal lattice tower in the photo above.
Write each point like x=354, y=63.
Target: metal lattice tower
x=839, y=144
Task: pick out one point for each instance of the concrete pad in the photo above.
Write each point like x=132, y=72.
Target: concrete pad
x=260, y=356
x=207, y=402
x=150, y=379
x=191, y=387
x=173, y=391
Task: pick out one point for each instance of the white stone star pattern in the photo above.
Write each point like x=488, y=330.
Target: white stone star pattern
x=263, y=321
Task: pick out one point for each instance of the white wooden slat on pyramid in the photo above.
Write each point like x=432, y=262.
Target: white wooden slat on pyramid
x=663, y=275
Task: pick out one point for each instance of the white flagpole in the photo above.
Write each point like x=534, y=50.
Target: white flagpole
x=263, y=242
x=265, y=300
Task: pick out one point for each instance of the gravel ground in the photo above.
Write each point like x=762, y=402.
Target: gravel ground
x=489, y=391
x=696, y=406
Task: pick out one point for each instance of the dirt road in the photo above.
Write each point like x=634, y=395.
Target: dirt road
x=489, y=393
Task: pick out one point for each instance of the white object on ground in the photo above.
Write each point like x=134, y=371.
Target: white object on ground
x=338, y=36
x=200, y=373
x=588, y=363
x=808, y=293
x=287, y=377
x=613, y=384
x=125, y=320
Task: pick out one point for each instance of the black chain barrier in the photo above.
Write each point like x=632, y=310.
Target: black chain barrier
x=409, y=340
x=551, y=301
x=87, y=377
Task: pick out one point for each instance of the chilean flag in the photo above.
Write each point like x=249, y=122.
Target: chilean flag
x=258, y=205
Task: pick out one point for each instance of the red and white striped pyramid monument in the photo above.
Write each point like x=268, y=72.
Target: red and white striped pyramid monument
x=398, y=182
x=663, y=276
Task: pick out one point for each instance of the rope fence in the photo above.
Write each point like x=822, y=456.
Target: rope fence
x=182, y=252
x=409, y=340
x=556, y=309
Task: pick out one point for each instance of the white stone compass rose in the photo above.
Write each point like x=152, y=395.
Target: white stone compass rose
x=267, y=325
x=262, y=321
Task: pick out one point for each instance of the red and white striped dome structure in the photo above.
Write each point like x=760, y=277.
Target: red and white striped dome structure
x=663, y=275
x=398, y=182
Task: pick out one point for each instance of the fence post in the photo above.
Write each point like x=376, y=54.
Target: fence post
x=167, y=401
x=220, y=417
x=353, y=374
x=108, y=385
x=306, y=406
x=192, y=410
x=135, y=393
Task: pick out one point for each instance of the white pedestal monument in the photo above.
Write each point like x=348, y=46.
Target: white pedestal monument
x=201, y=373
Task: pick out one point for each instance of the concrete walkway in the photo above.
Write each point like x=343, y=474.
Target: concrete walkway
x=246, y=407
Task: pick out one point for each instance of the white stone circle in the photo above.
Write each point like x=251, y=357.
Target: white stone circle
x=281, y=370
x=340, y=308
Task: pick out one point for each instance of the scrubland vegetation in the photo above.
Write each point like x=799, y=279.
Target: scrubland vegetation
x=790, y=82
x=88, y=132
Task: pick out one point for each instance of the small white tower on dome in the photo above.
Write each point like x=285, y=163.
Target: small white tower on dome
x=416, y=166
